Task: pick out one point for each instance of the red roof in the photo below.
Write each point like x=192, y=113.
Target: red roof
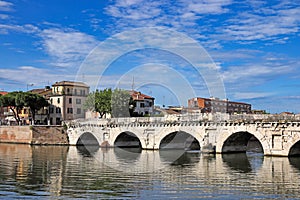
x=138, y=96
x=3, y=93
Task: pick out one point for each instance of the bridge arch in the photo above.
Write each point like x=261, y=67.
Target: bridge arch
x=87, y=139
x=127, y=139
x=295, y=149
x=241, y=141
x=179, y=140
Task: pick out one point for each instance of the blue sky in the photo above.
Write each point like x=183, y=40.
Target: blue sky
x=254, y=45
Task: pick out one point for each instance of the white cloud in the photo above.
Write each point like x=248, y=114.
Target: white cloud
x=264, y=24
x=23, y=75
x=27, y=28
x=4, y=16
x=182, y=15
x=67, y=47
x=207, y=6
x=248, y=72
x=5, y=6
x=251, y=95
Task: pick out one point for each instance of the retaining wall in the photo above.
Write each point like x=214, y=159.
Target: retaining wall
x=40, y=135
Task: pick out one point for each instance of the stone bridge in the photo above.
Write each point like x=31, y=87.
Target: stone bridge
x=273, y=138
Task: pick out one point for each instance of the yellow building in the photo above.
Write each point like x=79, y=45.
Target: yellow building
x=66, y=101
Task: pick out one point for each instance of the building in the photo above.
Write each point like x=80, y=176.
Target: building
x=66, y=101
x=213, y=105
x=144, y=104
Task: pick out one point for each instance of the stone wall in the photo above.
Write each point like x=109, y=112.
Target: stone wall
x=15, y=134
x=49, y=135
x=40, y=135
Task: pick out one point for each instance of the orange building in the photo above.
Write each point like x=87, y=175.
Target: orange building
x=213, y=105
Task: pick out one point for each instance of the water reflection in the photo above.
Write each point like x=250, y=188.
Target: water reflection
x=179, y=157
x=295, y=162
x=88, y=150
x=127, y=154
x=243, y=162
x=70, y=172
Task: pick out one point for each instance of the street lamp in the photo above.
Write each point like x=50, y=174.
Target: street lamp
x=31, y=84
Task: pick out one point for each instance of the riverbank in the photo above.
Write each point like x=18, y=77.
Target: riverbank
x=35, y=135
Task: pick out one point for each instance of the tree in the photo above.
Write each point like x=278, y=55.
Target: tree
x=118, y=103
x=99, y=101
x=121, y=103
x=14, y=102
x=34, y=101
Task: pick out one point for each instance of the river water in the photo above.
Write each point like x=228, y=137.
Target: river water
x=61, y=172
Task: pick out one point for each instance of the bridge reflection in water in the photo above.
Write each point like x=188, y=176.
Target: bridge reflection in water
x=93, y=172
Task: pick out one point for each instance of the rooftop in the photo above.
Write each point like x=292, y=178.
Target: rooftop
x=70, y=83
x=138, y=96
x=3, y=93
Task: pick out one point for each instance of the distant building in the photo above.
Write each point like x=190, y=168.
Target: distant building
x=213, y=105
x=258, y=112
x=66, y=101
x=144, y=103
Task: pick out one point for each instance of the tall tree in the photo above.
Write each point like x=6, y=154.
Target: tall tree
x=14, y=102
x=121, y=103
x=99, y=101
x=34, y=101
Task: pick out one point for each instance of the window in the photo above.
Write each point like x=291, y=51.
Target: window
x=70, y=100
x=75, y=92
x=58, y=122
x=78, y=101
x=58, y=110
x=142, y=105
x=78, y=111
x=70, y=110
x=51, y=109
x=83, y=92
x=68, y=90
x=58, y=100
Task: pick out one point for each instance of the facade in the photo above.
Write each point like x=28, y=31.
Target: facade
x=144, y=103
x=66, y=101
x=213, y=105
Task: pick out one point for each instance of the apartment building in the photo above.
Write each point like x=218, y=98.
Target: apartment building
x=66, y=101
x=213, y=105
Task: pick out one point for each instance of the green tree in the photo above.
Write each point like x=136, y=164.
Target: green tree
x=99, y=101
x=121, y=106
x=34, y=101
x=14, y=102
x=118, y=102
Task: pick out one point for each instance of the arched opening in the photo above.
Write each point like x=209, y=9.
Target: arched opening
x=179, y=140
x=242, y=142
x=87, y=139
x=87, y=144
x=295, y=149
x=127, y=140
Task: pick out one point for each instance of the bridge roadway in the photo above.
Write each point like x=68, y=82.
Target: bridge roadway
x=274, y=138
